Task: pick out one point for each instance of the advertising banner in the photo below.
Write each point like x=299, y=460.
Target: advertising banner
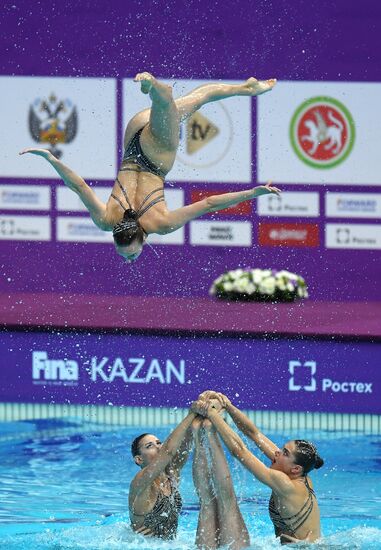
x=80, y=229
x=168, y=371
x=220, y=233
x=25, y=197
x=353, y=236
x=289, y=205
x=25, y=228
x=320, y=132
x=73, y=117
x=289, y=234
x=353, y=205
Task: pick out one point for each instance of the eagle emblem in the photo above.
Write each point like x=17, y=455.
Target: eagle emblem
x=53, y=121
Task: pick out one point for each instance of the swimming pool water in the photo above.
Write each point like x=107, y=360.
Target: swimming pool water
x=70, y=490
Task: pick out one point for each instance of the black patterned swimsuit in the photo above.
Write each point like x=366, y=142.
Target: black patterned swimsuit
x=163, y=519
x=134, y=154
x=289, y=525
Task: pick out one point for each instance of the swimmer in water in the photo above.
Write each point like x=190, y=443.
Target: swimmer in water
x=154, y=499
x=293, y=506
x=137, y=206
x=220, y=522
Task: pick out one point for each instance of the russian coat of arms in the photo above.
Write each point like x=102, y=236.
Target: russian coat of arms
x=53, y=121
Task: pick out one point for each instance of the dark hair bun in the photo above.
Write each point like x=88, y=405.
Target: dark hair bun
x=130, y=214
x=318, y=462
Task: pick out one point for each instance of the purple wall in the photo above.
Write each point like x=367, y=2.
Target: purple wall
x=168, y=371
x=291, y=40
x=321, y=40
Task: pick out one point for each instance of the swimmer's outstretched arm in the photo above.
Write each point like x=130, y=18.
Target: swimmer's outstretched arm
x=244, y=424
x=278, y=481
x=178, y=218
x=182, y=454
x=94, y=205
x=167, y=453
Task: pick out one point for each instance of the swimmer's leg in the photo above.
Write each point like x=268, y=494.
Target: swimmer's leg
x=233, y=531
x=207, y=535
x=189, y=103
x=164, y=116
x=208, y=93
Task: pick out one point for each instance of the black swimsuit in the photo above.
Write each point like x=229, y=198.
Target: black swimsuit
x=133, y=154
x=163, y=519
x=289, y=525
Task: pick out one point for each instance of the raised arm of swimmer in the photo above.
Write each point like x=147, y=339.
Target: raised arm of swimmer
x=274, y=479
x=293, y=506
x=166, y=455
x=182, y=454
x=177, y=218
x=94, y=205
x=244, y=424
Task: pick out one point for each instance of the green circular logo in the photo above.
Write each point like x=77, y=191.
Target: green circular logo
x=322, y=132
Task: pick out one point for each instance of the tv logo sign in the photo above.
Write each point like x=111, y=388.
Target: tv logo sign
x=302, y=376
x=53, y=370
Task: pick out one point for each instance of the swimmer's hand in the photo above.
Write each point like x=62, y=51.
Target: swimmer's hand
x=266, y=189
x=200, y=407
x=293, y=539
x=45, y=153
x=206, y=407
x=210, y=394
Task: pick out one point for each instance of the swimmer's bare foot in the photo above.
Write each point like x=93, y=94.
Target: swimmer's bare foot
x=149, y=85
x=258, y=87
x=146, y=81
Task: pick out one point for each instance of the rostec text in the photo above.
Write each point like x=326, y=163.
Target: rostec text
x=137, y=370
x=346, y=387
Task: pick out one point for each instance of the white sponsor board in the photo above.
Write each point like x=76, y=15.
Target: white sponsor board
x=174, y=199
x=353, y=205
x=353, y=236
x=344, y=133
x=289, y=204
x=177, y=237
x=78, y=114
x=215, y=143
x=25, y=197
x=220, y=233
x=81, y=229
x=25, y=228
x=68, y=201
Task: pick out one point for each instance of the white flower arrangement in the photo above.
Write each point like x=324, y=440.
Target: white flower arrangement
x=261, y=285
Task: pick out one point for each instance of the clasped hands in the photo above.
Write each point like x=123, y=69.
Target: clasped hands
x=209, y=402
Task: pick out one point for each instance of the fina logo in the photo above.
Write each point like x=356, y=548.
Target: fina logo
x=53, y=370
x=293, y=366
